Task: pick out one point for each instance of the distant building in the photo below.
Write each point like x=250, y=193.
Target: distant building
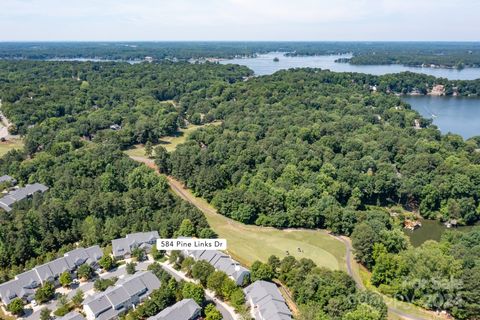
x=115, y=127
x=221, y=262
x=7, y=201
x=187, y=309
x=24, y=284
x=122, y=248
x=266, y=301
x=7, y=178
x=117, y=300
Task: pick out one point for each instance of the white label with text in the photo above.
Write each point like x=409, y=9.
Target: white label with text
x=191, y=244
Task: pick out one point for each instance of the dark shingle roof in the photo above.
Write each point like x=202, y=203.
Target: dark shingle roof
x=72, y=316
x=19, y=194
x=23, y=283
x=267, y=301
x=107, y=305
x=187, y=309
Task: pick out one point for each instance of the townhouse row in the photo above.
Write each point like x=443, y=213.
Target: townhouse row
x=187, y=309
x=25, y=284
x=126, y=294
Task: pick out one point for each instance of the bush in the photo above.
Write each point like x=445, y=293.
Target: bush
x=16, y=307
x=65, y=279
x=85, y=272
x=103, y=284
x=45, y=293
x=131, y=267
x=107, y=263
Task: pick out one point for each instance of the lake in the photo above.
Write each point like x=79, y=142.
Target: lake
x=459, y=115
x=264, y=65
x=450, y=114
x=431, y=230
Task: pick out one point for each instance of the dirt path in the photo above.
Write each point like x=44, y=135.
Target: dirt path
x=4, y=125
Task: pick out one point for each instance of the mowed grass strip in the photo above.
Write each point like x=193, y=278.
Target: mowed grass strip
x=171, y=142
x=10, y=145
x=250, y=243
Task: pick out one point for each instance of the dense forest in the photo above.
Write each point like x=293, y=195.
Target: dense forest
x=64, y=111
x=300, y=148
x=61, y=100
x=321, y=294
x=445, y=54
x=96, y=194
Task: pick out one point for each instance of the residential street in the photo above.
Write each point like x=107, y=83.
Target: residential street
x=227, y=311
x=120, y=272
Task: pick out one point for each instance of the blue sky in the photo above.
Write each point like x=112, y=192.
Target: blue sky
x=23, y=20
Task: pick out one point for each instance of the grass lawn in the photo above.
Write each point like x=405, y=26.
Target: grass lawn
x=9, y=145
x=171, y=142
x=249, y=243
x=4, y=316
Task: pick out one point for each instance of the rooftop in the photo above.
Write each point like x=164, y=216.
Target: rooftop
x=72, y=316
x=267, y=301
x=19, y=194
x=110, y=303
x=24, y=283
x=187, y=309
x=123, y=246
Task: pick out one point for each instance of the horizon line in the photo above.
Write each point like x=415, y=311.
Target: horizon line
x=239, y=41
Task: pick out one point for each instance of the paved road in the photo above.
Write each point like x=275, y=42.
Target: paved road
x=227, y=311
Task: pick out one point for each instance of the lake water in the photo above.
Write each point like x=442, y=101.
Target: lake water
x=263, y=65
x=93, y=60
x=459, y=115
x=431, y=230
x=450, y=114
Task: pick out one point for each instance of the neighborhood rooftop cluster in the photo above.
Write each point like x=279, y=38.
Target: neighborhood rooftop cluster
x=114, y=301
x=12, y=197
x=24, y=284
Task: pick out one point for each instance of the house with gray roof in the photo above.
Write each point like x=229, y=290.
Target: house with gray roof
x=187, y=309
x=7, y=178
x=24, y=284
x=266, y=301
x=122, y=248
x=221, y=262
x=72, y=316
x=117, y=300
x=14, y=196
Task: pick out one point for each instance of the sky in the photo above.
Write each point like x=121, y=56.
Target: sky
x=239, y=20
